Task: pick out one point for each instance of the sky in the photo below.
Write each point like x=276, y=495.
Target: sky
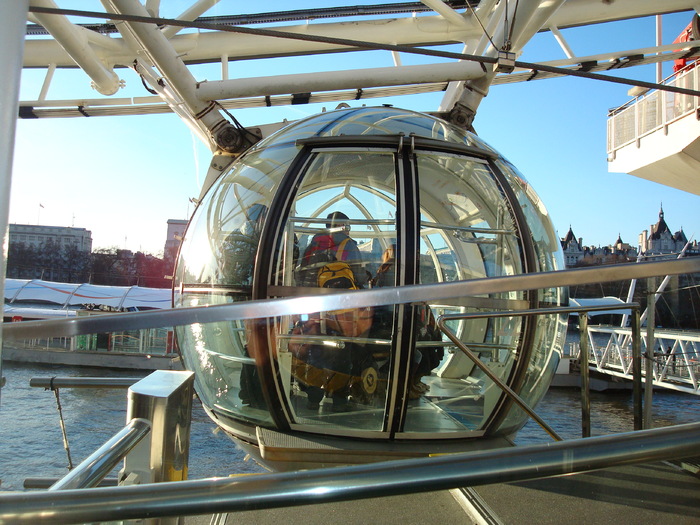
x=123, y=177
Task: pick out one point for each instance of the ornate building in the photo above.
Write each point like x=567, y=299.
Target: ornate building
x=573, y=249
x=661, y=241
x=576, y=254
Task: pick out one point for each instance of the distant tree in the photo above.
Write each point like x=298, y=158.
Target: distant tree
x=76, y=264
x=22, y=261
x=50, y=260
x=102, y=262
x=116, y=267
x=150, y=271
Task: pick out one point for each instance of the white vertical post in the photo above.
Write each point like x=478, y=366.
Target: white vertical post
x=13, y=23
x=659, y=65
x=224, y=66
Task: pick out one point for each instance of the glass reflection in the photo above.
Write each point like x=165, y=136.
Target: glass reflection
x=355, y=215
x=334, y=365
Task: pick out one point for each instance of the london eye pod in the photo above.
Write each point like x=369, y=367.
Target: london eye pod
x=367, y=198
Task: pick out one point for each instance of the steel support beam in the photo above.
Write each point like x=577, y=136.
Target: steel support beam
x=75, y=42
x=13, y=20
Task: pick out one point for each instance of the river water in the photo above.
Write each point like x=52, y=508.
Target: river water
x=31, y=441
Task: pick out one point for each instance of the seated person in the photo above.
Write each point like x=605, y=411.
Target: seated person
x=331, y=369
x=338, y=371
x=424, y=359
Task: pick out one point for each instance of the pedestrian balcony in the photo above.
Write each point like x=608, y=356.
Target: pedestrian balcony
x=656, y=136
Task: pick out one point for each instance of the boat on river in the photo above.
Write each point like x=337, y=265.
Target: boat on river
x=32, y=300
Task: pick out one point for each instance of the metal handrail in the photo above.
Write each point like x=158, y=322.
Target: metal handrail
x=218, y=495
x=101, y=462
x=344, y=300
x=443, y=319
x=82, y=382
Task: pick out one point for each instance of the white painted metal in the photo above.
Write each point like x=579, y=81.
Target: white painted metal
x=422, y=30
x=520, y=21
x=335, y=80
x=562, y=42
x=47, y=82
x=178, y=76
x=582, y=12
x=166, y=53
x=447, y=13
x=13, y=16
x=668, y=129
x=192, y=13
x=74, y=40
x=677, y=369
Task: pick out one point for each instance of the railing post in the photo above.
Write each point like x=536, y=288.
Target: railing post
x=637, y=369
x=165, y=399
x=585, y=382
x=649, y=368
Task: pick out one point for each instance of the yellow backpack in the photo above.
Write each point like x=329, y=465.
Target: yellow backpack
x=337, y=274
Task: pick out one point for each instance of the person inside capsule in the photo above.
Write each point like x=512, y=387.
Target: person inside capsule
x=344, y=365
x=333, y=244
x=425, y=359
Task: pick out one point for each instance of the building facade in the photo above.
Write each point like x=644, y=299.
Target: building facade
x=36, y=236
x=576, y=254
x=51, y=253
x=573, y=249
x=660, y=240
x=176, y=231
x=657, y=241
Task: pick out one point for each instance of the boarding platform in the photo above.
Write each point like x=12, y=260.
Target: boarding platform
x=659, y=493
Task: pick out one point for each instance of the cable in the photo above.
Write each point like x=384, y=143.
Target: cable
x=482, y=25
x=238, y=125
x=62, y=423
x=512, y=25
x=288, y=16
x=362, y=45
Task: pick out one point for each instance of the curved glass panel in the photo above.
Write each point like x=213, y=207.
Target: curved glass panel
x=373, y=121
x=549, y=330
x=333, y=366
x=216, y=266
x=466, y=232
x=359, y=213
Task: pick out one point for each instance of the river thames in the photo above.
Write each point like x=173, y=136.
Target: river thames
x=31, y=442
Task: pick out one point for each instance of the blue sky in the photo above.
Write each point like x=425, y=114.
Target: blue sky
x=124, y=177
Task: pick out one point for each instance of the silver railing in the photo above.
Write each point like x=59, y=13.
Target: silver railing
x=101, y=462
x=345, y=300
x=154, y=444
x=220, y=495
x=82, y=382
x=585, y=390
x=651, y=112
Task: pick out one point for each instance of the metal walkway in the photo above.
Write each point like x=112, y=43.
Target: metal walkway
x=675, y=359
x=659, y=493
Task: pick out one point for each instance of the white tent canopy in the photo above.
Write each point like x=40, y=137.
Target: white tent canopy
x=600, y=301
x=66, y=294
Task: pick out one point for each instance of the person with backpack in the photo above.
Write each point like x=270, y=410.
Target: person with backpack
x=334, y=244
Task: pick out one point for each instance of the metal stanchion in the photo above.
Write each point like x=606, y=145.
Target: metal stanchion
x=585, y=380
x=637, y=370
x=649, y=361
